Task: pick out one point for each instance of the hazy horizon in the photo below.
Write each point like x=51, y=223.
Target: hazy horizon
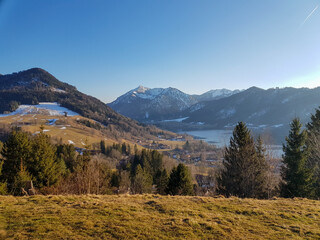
x=106, y=48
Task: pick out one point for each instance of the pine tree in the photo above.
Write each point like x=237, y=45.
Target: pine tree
x=20, y=181
x=180, y=181
x=142, y=181
x=242, y=174
x=297, y=176
x=103, y=147
x=313, y=144
x=44, y=166
x=67, y=153
x=16, y=153
x=261, y=170
x=124, y=148
x=161, y=181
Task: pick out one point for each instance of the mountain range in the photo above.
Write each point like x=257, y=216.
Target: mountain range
x=263, y=110
x=148, y=105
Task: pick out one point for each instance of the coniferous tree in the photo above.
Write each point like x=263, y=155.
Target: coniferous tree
x=313, y=144
x=162, y=179
x=20, y=180
x=297, y=176
x=124, y=148
x=142, y=181
x=180, y=181
x=3, y=185
x=261, y=170
x=103, y=147
x=16, y=152
x=242, y=174
x=44, y=166
x=67, y=153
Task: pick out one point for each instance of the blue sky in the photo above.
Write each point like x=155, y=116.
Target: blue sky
x=106, y=48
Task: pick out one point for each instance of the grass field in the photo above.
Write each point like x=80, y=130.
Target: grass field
x=69, y=131
x=157, y=217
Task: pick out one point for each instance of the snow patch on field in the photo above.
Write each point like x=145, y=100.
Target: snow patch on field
x=48, y=108
x=70, y=142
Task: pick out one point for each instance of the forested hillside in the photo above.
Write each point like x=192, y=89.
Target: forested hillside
x=36, y=85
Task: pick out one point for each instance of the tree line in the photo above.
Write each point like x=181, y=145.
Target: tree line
x=61, y=169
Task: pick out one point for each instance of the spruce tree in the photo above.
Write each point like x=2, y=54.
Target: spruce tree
x=180, y=181
x=103, y=147
x=297, y=176
x=67, y=153
x=20, y=181
x=161, y=181
x=242, y=174
x=261, y=170
x=142, y=181
x=16, y=152
x=313, y=144
x=44, y=166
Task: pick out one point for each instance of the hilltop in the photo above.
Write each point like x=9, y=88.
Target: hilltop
x=37, y=85
x=157, y=217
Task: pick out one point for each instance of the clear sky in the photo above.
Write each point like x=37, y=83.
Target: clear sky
x=107, y=47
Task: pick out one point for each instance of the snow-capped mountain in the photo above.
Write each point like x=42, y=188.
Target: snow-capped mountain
x=143, y=103
x=154, y=104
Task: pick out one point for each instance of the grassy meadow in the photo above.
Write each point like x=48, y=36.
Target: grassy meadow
x=157, y=217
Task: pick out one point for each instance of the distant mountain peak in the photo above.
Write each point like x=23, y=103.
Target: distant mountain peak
x=141, y=89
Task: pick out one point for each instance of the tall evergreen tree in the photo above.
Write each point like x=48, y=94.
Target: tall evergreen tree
x=297, y=176
x=103, y=147
x=261, y=170
x=243, y=174
x=3, y=185
x=16, y=152
x=313, y=144
x=67, y=153
x=180, y=181
x=20, y=180
x=142, y=181
x=161, y=181
x=44, y=166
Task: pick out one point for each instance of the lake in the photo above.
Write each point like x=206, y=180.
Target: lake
x=221, y=138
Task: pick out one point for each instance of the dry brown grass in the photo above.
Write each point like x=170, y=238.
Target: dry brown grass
x=70, y=130
x=157, y=217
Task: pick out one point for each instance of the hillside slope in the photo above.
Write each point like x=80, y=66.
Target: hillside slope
x=157, y=217
x=36, y=85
